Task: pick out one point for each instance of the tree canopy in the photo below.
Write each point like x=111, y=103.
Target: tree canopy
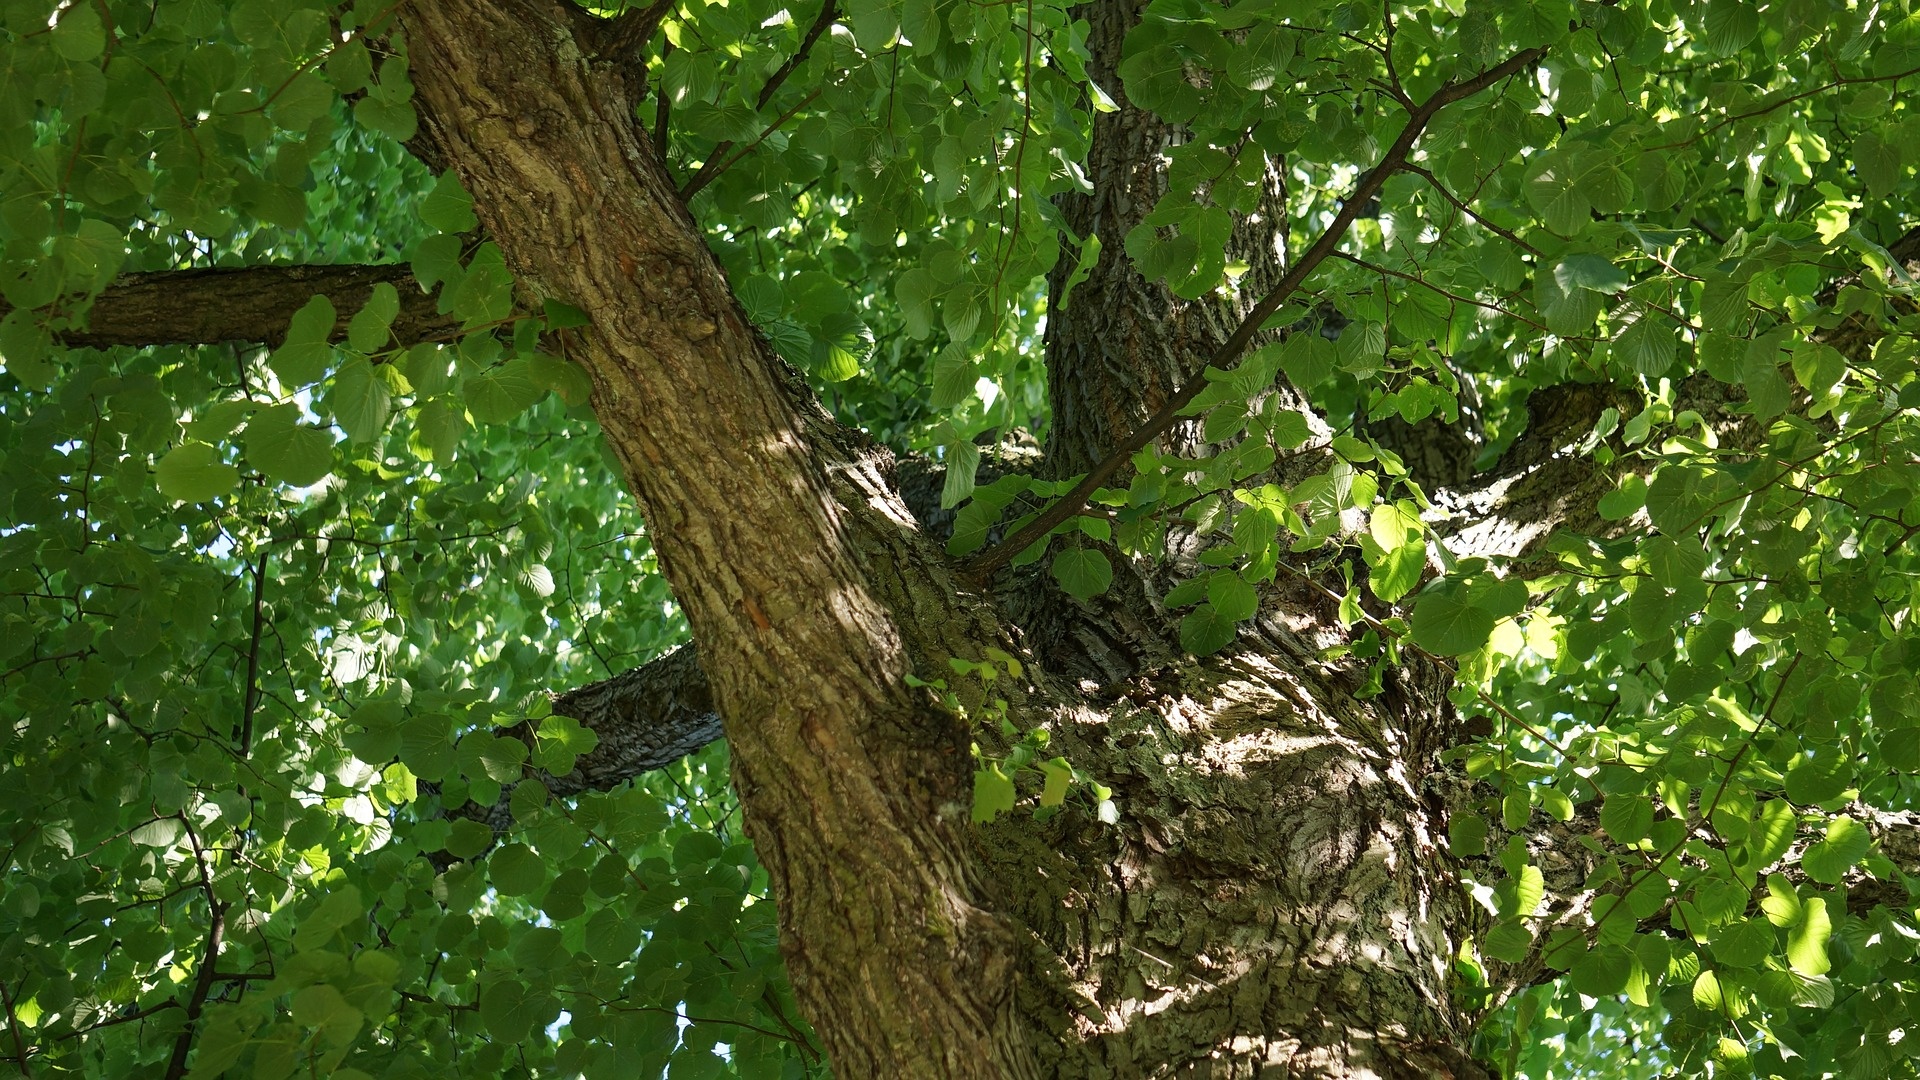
x=1573, y=355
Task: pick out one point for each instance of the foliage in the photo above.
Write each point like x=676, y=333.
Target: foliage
x=274, y=617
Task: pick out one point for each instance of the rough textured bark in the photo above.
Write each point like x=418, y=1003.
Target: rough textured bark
x=1276, y=898
x=856, y=787
x=251, y=304
x=1120, y=347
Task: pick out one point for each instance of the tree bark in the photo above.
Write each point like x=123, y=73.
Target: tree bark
x=1276, y=897
x=243, y=304
x=856, y=787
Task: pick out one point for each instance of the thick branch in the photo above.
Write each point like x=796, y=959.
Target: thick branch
x=1229, y=352
x=254, y=303
x=646, y=718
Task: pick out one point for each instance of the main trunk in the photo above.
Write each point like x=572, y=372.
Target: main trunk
x=856, y=786
x=1274, y=900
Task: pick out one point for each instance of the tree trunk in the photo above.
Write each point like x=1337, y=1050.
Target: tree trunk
x=1275, y=897
x=856, y=786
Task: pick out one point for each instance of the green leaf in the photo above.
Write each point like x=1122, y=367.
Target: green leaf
x=1307, y=358
x=954, y=375
x=285, y=449
x=1083, y=572
x=511, y=1011
x=1569, y=311
x=1675, y=562
x=1204, y=631
x=610, y=938
x=1467, y=836
x=1772, y=833
x=1509, y=942
x=193, y=472
x=516, y=870
x=367, y=330
x=1603, y=972
x=1817, y=779
x=1059, y=778
x=561, y=740
x=1743, y=943
x=962, y=460
x=499, y=394
x=1807, y=942
x=1585, y=270
x=1845, y=844
x=1558, y=193
x=1648, y=345
x=916, y=291
x=1681, y=497
x=468, y=838
x=304, y=357
x=324, y=1008
x=361, y=401
x=1627, y=817
x=993, y=793
x=448, y=208
x=78, y=35
x=1447, y=622
x=1231, y=598
x=1730, y=24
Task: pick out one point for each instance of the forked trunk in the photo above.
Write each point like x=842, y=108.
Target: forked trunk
x=1275, y=899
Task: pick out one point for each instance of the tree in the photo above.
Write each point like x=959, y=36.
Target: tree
x=1304, y=539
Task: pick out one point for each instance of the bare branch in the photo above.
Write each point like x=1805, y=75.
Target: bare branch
x=203, y=983
x=646, y=718
x=13, y=1024
x=249, y=304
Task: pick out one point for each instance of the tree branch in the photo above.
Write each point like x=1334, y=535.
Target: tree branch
x=1229, y=351
x=255, y=303
x=646, y=718
x=718, y=161
x=13, y=1024
x=627, y=32
x=1560, y=851
x=203, y=983
x=1548, y=480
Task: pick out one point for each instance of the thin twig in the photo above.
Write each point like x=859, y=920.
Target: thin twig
x=1789, y=99
x=203, y=984
x=662, y=111
x=828, y=14
x=715, y=166
x=628, y=31
x=19, y=1040
x=1468, y=210
x=252, y=699
x=717, y=160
